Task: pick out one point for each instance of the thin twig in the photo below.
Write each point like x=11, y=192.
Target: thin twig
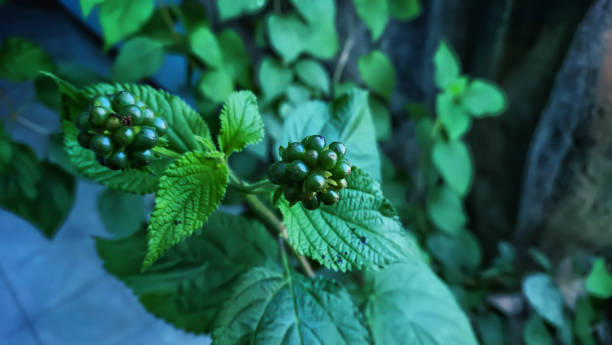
x=346, y=52
x=32, y=126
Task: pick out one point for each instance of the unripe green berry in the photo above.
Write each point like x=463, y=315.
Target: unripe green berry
x=160, y=125
x=143, y=158
x=341, y=184
x=341, y=170
x=134, y=113
x=293, y=193
x=315, y=142
x=329, y=197
x=82, y=122
x=315, y=182
x=148, y=117
x=311, y=204
x=297, y=170
x=311, y=158
x=113, y=123
x=338, y=148
x=277, y=173
x=124, y=136
x=118, y=160
x=98, y=117
x=294, y=151
x=101, y=144
x=84, y=139
x=328, y=160
x=101, y=101
x=146, y=139
x=122, y=99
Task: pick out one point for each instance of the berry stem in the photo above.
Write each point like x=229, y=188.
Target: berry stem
x=168, y=153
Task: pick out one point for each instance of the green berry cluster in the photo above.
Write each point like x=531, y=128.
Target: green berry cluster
x=121, y=130
x=311, y=172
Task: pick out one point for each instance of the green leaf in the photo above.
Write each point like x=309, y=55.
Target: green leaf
x=459, y=254
x=599, y=281
x=184, y=123
x=121, y=213
x=405, y=9
x=445, y=210
x=190, y=191
x=447, y=66
x=452, y=116
x=269, y=307
x=204, y=45
x=452, y=159
x=274, y=78
x=585, y=316
x=381, y=119
x=21, y=60
x=483, y=98
x=236, y=8
x=138, y=58
x=544, y=296
x=120, y=18
x=236, y=60
x=317, y=36
x=41, y=193
x=311, y=73
x=375, y=14
x=535, y=332
x=188, y=285
x=88, y=5
x=241, y=123
x=348, y=120
x=378, y=73
x=491, y=328
x=215, y=84
x=408, y=304
x=361, y=230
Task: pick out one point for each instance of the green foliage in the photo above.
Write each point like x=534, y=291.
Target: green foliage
x=315, y=35
x=361, y=230
x=599, y=281
x=138, y=58
x=241, y=123
x=405, y=9
x=274, y=78
x=21, y=60
x=305, y=312
x=189, y=284
x=452, y=159
x=544, y=296
x=408, y=304
x=204, y=45
x=378, y=73
x=121, y=213
x=235, y=8
x=375, y=13
x=217, y=85
x=190, y=190
x=120, y=18
x=445, y=209
x=88, y=5
x=447, y=66
x=536, y=332
x=313, y=74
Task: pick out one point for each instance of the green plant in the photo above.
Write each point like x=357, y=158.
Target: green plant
x=328, y=249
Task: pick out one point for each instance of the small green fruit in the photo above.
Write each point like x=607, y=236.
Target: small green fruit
x=101, y=101
x=341, y=170
x=124, y=136
x=338, y=148
x=277, y=173
x=113, y=123
x=98, y=117
x=315, y=182
x=143, y=158
x=117, y=161
x=132, y=112
x=315, y=142
x=84, y=139
x=293, y=152
x=293, y=193
x=101, y=144
x=329, y=197
x=328, y=160
x=160, y=125
x=146, y=139
x=311, y=204
x=122, y=99
x=82, y=122
x=311, y=158
x=297, y=170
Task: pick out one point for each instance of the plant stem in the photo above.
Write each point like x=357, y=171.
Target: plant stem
x=168, y=153
x=346, y=52
x=269, y=217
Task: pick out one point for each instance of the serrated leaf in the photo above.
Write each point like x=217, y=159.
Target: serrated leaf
x=347, y=119
x=535, y=332
x=138, y=58
x=544, y=296
x=120, y=18
x=361, y=230
x=447, y=66
x=274, y=78
x=375, y=14
x=408, y=304
x=311, y=73
x=236, y=60
x=84, y=160
x=445, y=210
x=405, y=9
x=21, y=60
x=204, y=45
x=241, y=123
x=236, y=8
x=184, y=123
x=122, y=214
x=317, y=36
x=188, y=285
x=216, y=85
x=269, y=307
x=599, y=280
x=452, y=159
x=190, y=190
x=378, y=73
x=88, y=5
x=452, y=116
x=482, y=98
